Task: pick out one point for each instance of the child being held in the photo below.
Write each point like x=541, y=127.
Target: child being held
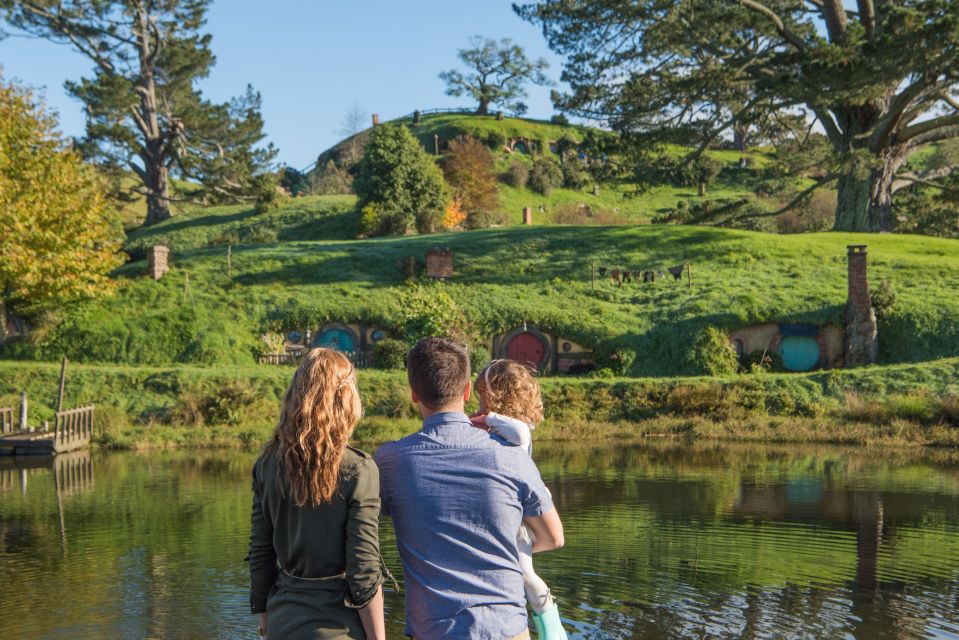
x=511, y=406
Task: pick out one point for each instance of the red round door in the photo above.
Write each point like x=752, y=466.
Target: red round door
x=526, y=347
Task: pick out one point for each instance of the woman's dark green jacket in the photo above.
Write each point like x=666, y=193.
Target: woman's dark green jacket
x=312, y=567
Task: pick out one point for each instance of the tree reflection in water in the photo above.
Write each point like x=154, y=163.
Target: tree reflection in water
x=663, y=541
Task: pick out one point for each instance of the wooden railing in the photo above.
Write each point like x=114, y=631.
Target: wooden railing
x=74, y=424
x=6, y=420
x=278, y=358
x=359, y=359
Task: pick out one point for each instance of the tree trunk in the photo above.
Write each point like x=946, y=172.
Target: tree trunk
x=483, y=108
x=158, y=199
x=865, y=202
x=153, y=154
x=852, y=205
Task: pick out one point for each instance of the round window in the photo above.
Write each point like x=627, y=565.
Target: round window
x=377, y=335
x=294, y=337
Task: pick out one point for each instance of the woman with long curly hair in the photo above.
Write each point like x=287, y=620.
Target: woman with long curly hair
x=315, y=563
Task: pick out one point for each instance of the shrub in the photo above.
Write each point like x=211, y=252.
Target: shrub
x=260, y=235
x=390, y=353
x=546, y=175
x=883, y=298
x=712, y=354
x=496, y=140
x=479, y=357
x=570, y=213
x=559, y=118
x=428, y=310
x=575, y=176
x=517, y=175
x=402, y=180
x=369, y=220
x=226, y=404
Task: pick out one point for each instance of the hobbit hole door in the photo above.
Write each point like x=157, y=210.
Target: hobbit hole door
x=799, y=353
x=338, y=339
x=526, y=347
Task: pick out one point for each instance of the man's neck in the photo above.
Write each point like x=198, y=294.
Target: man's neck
x=426, y=412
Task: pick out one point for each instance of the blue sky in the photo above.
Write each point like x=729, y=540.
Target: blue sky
x=312, y=59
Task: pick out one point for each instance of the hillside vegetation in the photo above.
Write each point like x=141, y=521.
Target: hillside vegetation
x=620, y=202
x=295, y=267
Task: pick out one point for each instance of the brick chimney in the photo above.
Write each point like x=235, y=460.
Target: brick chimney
x=861, y=333
x=157, y=261
x=376, y=119
x=527, y=215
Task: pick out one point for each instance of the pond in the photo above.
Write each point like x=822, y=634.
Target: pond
x=664, y=540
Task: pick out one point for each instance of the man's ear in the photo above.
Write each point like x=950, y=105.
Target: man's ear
x=467, y=391
x=414, y=397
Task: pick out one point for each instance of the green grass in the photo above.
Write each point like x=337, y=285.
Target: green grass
x=541, y=275
x=305, y=218
x=229, y=406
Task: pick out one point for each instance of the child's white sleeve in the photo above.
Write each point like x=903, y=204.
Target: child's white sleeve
x=510, y=429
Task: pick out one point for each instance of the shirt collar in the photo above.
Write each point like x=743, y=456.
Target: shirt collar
x=447, y=417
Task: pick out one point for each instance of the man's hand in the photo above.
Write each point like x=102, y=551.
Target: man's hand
x=262, y=629
x=547, y=531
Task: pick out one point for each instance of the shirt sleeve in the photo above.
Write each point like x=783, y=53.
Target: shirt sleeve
x=380, y=458
x=534, y=495
x=363, y=569
x=510, y=429
x=262, y=555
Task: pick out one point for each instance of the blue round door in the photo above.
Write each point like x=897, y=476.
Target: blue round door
x=339, y=339
x=799, y=353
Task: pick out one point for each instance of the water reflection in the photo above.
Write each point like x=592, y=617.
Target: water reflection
x=662, y=541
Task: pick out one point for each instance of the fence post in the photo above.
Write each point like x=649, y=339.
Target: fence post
x=23, y=411
x=63, y=379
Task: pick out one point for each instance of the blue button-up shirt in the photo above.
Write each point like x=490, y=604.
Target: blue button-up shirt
x=458, y=495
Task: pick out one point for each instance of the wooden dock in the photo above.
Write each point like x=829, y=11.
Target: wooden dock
x=73, y=429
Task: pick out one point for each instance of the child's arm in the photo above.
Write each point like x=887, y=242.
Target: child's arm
x=510, y=429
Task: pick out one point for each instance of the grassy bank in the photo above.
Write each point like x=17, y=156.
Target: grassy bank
x=195, y=406
x=202, y=313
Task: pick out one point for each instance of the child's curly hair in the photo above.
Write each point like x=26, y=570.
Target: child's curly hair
x=510, y=388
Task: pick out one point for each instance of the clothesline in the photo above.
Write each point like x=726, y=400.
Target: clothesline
x=626, y=276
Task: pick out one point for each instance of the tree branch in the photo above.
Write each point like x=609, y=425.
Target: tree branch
x=781, y=28
x=800, y=197
x=927, y=126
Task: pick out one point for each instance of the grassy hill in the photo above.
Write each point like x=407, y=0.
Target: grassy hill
x=296, y=265
x=620, y=202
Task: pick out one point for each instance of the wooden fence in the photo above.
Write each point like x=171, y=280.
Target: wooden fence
x=359, y=359
x=73, y=425
x=6, y=420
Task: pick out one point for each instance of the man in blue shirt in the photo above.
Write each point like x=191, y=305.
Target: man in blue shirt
x=457, y=495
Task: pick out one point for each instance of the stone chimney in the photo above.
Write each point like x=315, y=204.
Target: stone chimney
x=157, y=261
x=376, y=119
x=861, y=333
x=527, y=215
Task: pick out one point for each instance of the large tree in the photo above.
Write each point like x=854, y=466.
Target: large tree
x=144, y=112
x=496, y=74
x=881, y=78
x=57, y=243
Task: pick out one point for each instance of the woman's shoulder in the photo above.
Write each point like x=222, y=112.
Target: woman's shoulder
x=356, y=462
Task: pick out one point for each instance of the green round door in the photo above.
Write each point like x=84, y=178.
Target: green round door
x=338, y=339
x=799, y=353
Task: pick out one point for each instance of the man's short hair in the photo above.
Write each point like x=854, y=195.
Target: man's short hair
x=438, y=370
